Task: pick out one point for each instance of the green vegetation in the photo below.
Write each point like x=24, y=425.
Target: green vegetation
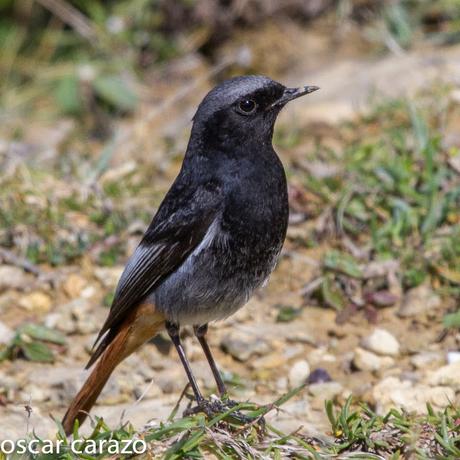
x=32, y=342
x=356, y=432
x=394, y=195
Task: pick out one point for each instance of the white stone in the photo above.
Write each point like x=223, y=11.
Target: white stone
x=381, y=342
x=367, y=361
x=325, y=390
x=453, y=357
x=427, y=359
x=299, y=373
x=242, y=346
x=392, y=392
x=108, y=276
x=6, y=334
x=12, y=277
x=419, y=300
x=448, y=375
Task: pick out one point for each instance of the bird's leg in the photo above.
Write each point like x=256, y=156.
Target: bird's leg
x=200, y=333
x=173, y=331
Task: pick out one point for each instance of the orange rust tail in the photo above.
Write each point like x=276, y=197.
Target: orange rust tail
x=141, y=325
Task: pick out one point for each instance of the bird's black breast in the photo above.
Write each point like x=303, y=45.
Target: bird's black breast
x=255, y=213
x=241, y=248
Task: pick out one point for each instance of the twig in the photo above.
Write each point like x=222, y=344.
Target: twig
x=138, y=400
x=71, y=16
x=311, y=286
x=13, y=259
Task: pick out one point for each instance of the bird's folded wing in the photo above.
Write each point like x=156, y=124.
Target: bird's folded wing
x=177, y=229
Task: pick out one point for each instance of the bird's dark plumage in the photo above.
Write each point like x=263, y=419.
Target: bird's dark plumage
x=215, y=238
x=231, y=179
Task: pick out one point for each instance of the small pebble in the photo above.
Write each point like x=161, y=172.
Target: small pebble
x=381, y=342
x=299, y=373
x=319, y=375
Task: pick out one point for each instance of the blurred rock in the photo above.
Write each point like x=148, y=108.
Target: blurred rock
x=448, y=375
x=453, y=357
x=7, y=382
x=171, y=380
x=88, y=292
x=37, y=302
x=12, y=277
x=326, y=390
x=419, y=300
x=74, y=316
x=113, y=392
x=271, y=361
x=282, y=384
x=301, y=337
x=319, y=375
x=381, y=342
x=299, y=373
x=242, y=346
x=320, y=355
x=427, y=359
x=34, y=394
x=74, y=285
x=367, y=361
x=392, y=392
x=108, y=276
x=6, y=334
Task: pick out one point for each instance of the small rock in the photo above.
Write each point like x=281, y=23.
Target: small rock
x=242, y=346
x=87, y=325
x=365, y=360
x=52, y=320
x=381, y=298
x=301, y=337
x=427, y=359
x=34, y=394
x=72, y=317
x=108, y=276
x=73, y=285
x=112, y=393
x=392, y=392
x=381, y=342
x=7, y=382
x=290, y=352
x=419, y=300
x=453, y=357
x=271, y=361
x=326, y=390
x=171, y=380
x=37, y=302
x=282, y=384
x=299, y=373
x=319, y=375
x=12, y=277
x=448, y=375
x=88, y=292
x=320, y=355
x=6, y=334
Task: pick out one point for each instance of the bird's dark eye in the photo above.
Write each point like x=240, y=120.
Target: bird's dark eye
x=247, y=106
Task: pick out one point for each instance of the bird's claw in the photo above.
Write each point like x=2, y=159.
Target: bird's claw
x=215, y=407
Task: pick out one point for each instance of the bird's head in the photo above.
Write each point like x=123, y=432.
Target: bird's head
x=243, y=108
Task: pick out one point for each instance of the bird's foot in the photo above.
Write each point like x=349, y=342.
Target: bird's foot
x=214, y=407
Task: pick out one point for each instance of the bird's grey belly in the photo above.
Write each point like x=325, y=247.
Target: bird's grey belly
x=216, y=280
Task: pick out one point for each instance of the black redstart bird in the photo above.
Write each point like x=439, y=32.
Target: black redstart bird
x=215, y=238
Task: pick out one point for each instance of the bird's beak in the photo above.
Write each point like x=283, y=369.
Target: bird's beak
x=293, y=93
